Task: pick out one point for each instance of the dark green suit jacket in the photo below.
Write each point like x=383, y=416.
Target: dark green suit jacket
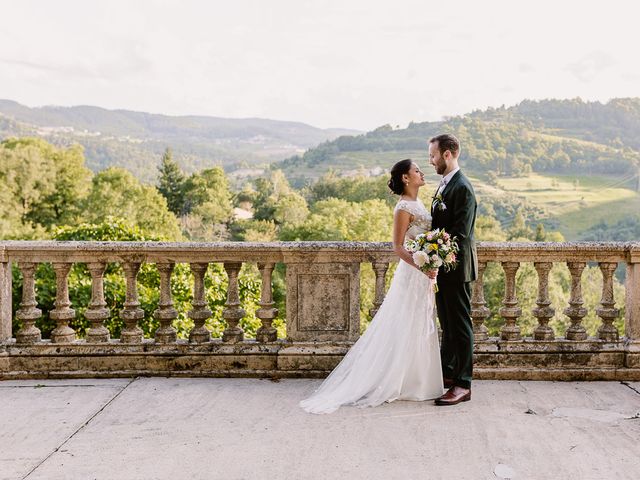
x=458, y=220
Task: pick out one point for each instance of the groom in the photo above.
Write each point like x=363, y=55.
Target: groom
x=454, y=209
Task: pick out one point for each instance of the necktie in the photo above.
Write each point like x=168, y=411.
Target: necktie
x=441, y=185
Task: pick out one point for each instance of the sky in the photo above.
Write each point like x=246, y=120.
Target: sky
x=344, y=63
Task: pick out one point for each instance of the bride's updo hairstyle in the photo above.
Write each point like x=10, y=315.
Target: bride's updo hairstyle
x=395, y=182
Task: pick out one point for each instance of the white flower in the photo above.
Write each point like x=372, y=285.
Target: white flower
x=438, y=262
x=439, y=241
x=420, y=258
x=449, y=258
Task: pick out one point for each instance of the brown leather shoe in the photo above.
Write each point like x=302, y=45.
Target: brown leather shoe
x=448, y=382
x=454, y=396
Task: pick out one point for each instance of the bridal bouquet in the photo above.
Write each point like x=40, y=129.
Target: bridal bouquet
x=432, y=250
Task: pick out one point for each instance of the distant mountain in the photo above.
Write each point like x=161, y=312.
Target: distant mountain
x=561, y=136
x=136, y=140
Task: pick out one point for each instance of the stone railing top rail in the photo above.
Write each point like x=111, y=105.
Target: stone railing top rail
x=293, y=252
x=560, y=251
x=288, y=252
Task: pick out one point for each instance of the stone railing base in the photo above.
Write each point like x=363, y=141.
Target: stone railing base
x=554, y=360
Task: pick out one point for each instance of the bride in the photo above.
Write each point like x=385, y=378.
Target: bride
x=398, y=357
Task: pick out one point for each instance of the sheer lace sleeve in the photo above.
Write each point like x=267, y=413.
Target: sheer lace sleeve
x=406, y=206
x=421, y=221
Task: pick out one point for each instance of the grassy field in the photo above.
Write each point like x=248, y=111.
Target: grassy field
x=576, y=202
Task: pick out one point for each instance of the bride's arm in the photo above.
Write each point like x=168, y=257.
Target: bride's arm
x=401, y=220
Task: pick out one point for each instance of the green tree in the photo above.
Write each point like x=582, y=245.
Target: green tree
x=27, y=172
x=245, y=198
x=291, y=209
x=10, y=221
x=70, y=184
x=492, y=179
x=171, y=183
x=254, y=230
x=519, y=231
x=115, y=192
x=44, y=185
x=488, y=229
x=275, y=201
x=264, y=204
x=13, y=223
x=207, y=195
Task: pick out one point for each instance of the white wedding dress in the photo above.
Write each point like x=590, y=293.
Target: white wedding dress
x=398, y=356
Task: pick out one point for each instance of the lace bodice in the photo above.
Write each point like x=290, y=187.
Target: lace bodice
x=421, y=217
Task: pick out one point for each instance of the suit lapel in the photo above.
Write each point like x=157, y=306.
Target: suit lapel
x=453, y=180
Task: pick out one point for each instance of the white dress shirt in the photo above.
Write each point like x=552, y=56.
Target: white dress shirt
x=446, y=179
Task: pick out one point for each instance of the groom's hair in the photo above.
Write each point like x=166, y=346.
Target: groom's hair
x=446, y=141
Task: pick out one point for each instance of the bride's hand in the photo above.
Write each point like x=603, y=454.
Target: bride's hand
x=432, y=274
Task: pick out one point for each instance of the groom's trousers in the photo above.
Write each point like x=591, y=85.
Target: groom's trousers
x=453, y=301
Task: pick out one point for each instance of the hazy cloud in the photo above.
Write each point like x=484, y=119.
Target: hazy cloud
x=30, y=65
x=525, y=68
x=590, y=66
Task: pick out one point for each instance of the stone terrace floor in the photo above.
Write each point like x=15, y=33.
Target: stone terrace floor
x=159, y=428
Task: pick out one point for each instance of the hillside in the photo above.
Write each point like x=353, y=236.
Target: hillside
x=561, y=136
x=136, y=140
x=616, y=122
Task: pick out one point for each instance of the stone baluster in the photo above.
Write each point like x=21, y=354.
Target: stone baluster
x=28, y=312
x=232, y=312
x=62, y=314
x=97, y=311
x=266, y=313
x=6, y=298
x=575, y=311
x=543, y=312
x=510, y=311
x=131, y=313
x=607, y=311
x=165, y=313
x=479, y=310
x=380, y=269
x=632, y=300
x=200, y=312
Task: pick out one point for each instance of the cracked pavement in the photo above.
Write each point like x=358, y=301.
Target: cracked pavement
x=157, y=428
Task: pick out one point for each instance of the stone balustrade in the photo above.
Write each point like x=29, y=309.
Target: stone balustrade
x=322, y=311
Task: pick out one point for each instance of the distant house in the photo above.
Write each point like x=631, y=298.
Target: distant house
x=242, y=214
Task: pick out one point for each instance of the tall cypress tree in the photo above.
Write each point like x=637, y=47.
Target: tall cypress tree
x=171, y=183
